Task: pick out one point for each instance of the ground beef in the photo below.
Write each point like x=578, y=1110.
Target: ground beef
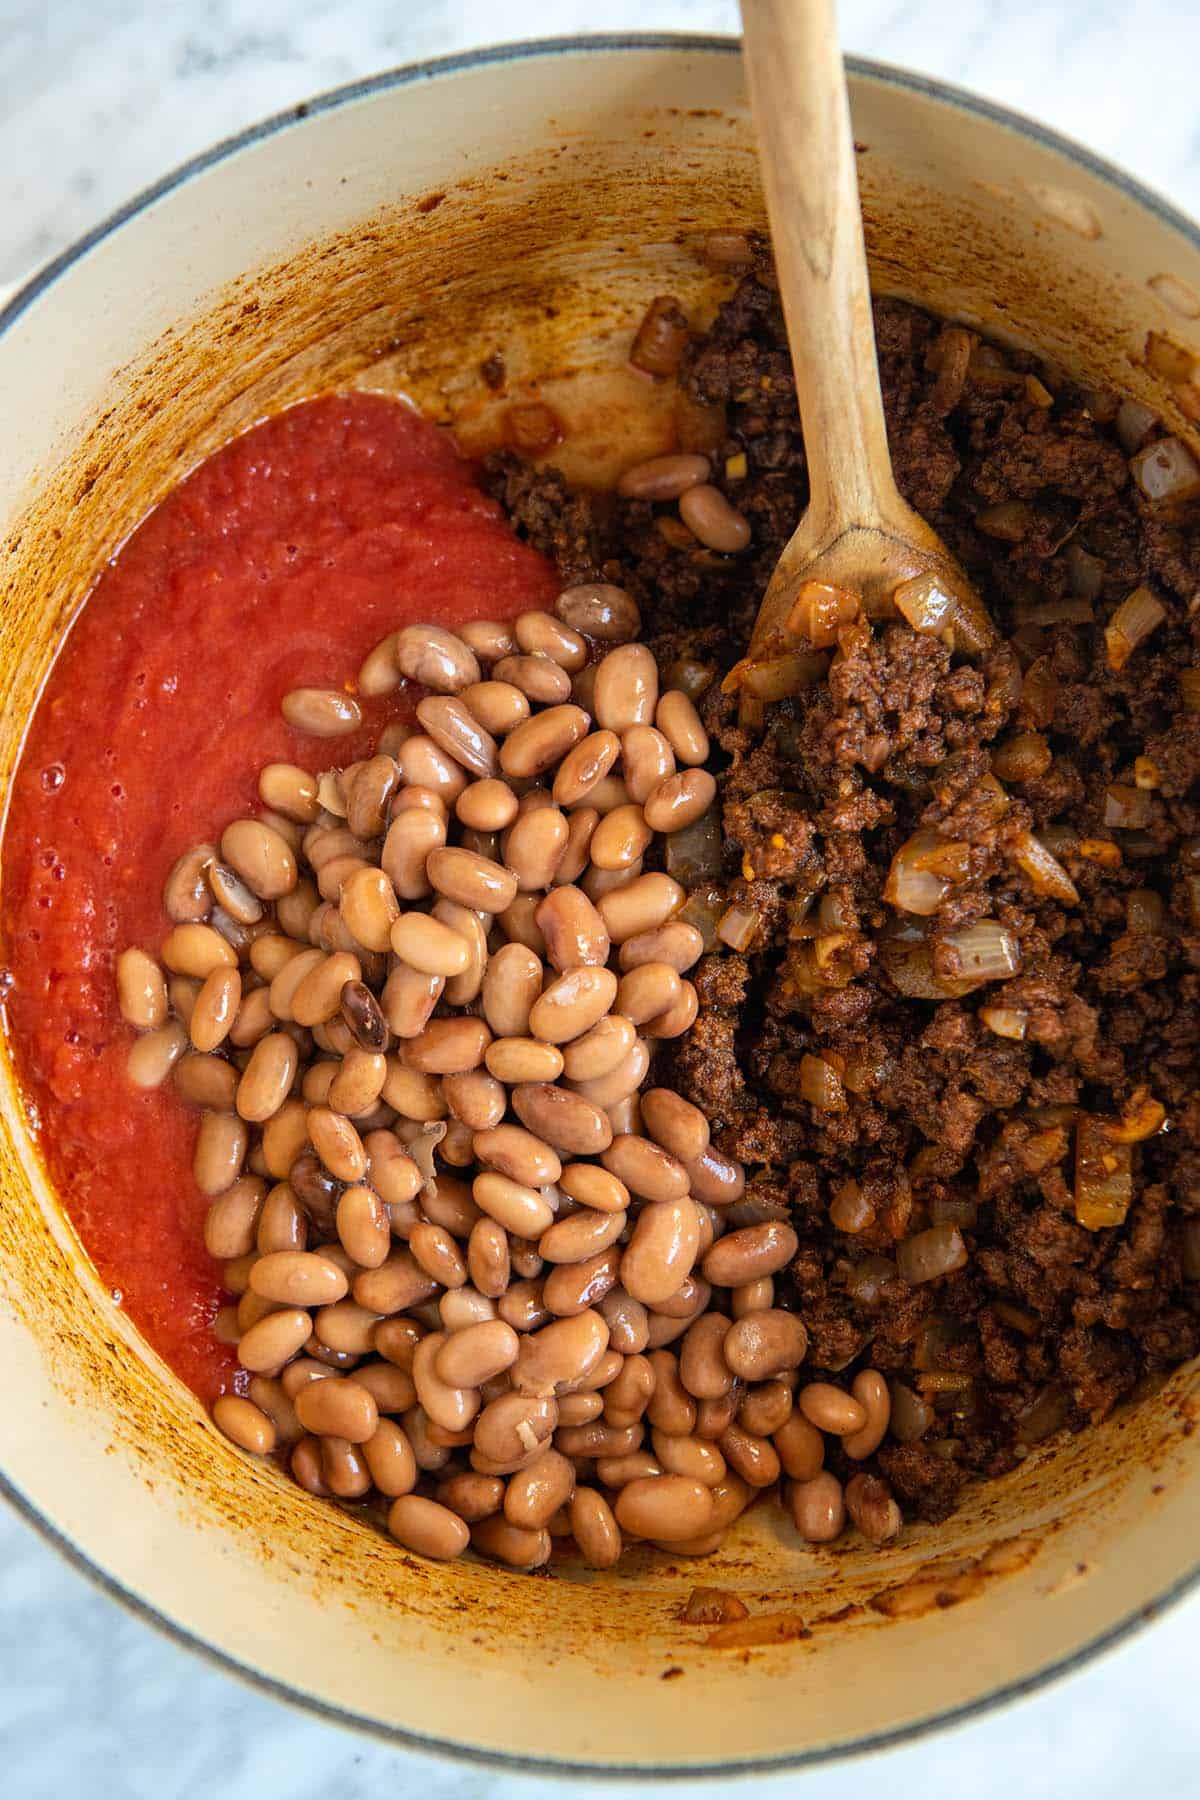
x=940, y=1118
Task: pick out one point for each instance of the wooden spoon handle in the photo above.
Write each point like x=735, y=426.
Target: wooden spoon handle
x=798, y=89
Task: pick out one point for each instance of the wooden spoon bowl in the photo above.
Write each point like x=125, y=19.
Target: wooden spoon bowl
x=859, y=543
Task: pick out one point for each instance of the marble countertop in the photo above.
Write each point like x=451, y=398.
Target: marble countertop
x=98, y=99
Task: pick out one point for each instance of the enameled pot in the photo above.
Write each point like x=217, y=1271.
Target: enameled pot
x=393, y=235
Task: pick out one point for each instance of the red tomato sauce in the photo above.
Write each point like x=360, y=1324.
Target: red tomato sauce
x=277, y=564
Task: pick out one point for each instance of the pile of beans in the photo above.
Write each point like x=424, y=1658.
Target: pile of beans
x=482, y=1267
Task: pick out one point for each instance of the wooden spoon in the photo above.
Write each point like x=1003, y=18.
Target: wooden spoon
x=857, y=533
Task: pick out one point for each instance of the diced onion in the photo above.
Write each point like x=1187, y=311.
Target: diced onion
x=819, y=610
x=821, y=1085
x=1142, y=1117
x=693, y=854
x=931, y=1254
x=866, y=1280
x=985, y=951
x=1018, y=1317
x=1166, y=470
x=704, y=909
x=1085, y=572
x=1022, y=758
x=1068, y=610
x=948, y=857
x=1133, y=422
x=1046, y=874
x=911, y=1416
x=1102, y=851
x=737, y=927
x=849, y=1210
x=946, y=1381
x=1143, y=912
x=926, y=604
x=1127, y=808
x=1005, y=1021
x=752, y=712
x=776, y=677
x=908, y=959
x=725, y=250
x=1146, y=773
x=1042, y=1417
x=949, y=358
x=1039, y=692
x=692, y=677
x=1103, y=1176
x=1169, y=359
x=329, y=793
x=954, y=1209
x=911, y=888
x=531, y=428
x=1010, y=520
x=1136, y=617
x=933, y=608
x=1189, y=687
x=864, y=1070
x=421, y=1148
x=935, y=1338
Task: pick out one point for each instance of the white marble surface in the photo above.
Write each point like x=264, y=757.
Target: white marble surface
x=96, y=100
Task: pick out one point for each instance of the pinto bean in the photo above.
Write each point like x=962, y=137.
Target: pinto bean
x=468, y=1358
x=219, y=1153
x=512, y=1544
x=600, y=611
x=413, y=835
x=831, y=1408
x=626, y=691
x=584, y=1234
x=646, y=902
x=764, y=1344
x=537, y=743
x=661, y=1251
x=800, y=1446
x=574, y=932
x=626, y=1321
x=535, y=1493
x=500, y=707
x=560, y=1355
x=142, y=991
x=871, y=1391
x=672, y=1409
x=754, y=1251
x=519, y=1154
x=455, y=729
x=594, y=1528
x=427, y=1527
x=515, y=1426
x=818, y=1508
x=702, y=1366
x=717, y=1180
x=626, y=1398
x=572, y=1125
x=540, y=678
x=436, y=658
x=571, y=1288
x=645, y=1168
x=519, y=1208
x=665, y=1508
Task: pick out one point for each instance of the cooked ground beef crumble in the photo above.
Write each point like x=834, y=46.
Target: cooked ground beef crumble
x=928, y=1114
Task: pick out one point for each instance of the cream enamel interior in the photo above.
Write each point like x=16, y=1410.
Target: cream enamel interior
x=573, y=182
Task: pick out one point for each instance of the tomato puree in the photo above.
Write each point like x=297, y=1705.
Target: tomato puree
x=277, y=564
